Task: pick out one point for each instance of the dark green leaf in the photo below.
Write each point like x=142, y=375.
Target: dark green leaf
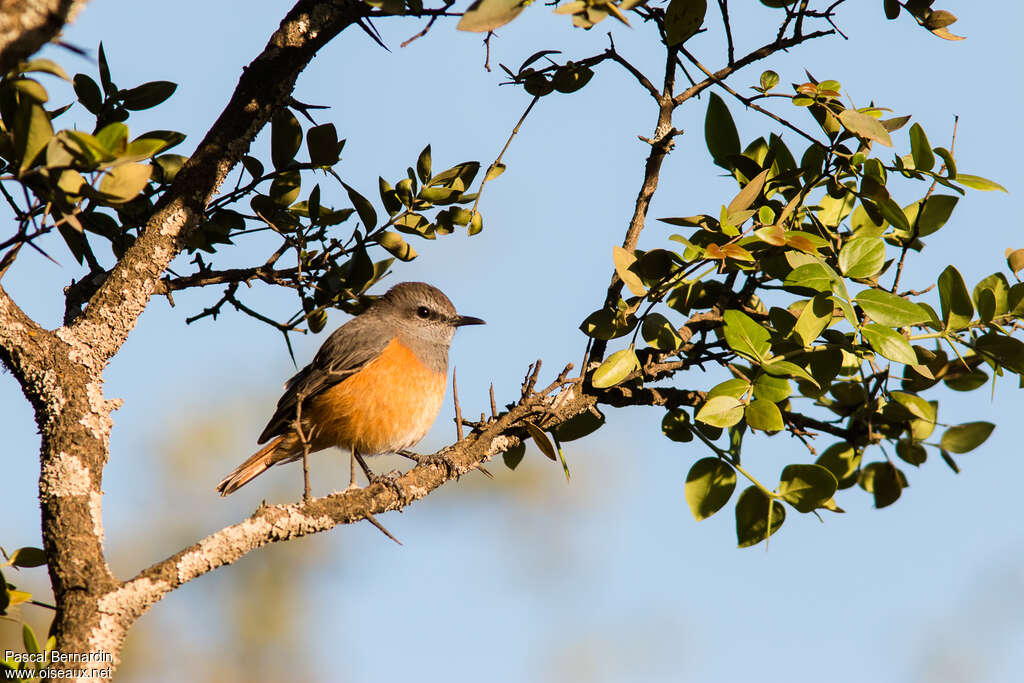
x=659, y=333
x=883, y=480
x=322, y=144
x=957, y=308
x=720, y=132
x=285, y=188
x=683, y=19
x=964, y=438
x=285, y=138
x=28, y=557
x=32, y=132
x=842, y=460
x=676, y=425
x=514, y=455
x=396, y=245
x=752, y=522
x=911, y=452
x=709, y=485
x=807, y=487
x=147, y=95
x=920, y=149
x=423, y=165
x=363, y=207
x=579, y=426
x=88, y=93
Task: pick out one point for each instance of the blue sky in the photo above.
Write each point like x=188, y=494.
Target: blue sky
x=530, y=579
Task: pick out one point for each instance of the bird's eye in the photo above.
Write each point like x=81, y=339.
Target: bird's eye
x=423, y=312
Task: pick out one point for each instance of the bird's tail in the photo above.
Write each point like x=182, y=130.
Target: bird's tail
x=258, y=462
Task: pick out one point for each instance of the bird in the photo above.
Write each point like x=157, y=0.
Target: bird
x=375, y=386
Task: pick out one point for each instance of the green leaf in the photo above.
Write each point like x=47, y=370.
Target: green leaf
x=957, y=307
x=616, y=368
x=889, y=309
x=322, y=144
x=764, y=415
x=676, y=425
x=285, y=138
x=783, y=368
x=660, y=333
x=720, y=132
x=28, y=637
x=1007, y=351
x=721, y=411
x=88, y=93
x=749, y=194
x=32, y=132
x=423, y=165
x=285, y=188
x=752, y=521
x=862, y=257
x=932, y=215
x=842, y=460
x=978, y=183
x=579, y=426
x=965, y=437
x=888, y=343
x=920, y=149
x=991, y=297
x=147, y=95
x=124, y=183
x=623, y=260
x=363, y=207
x=541, y=439
x=487, y=15
x=27, y=557
x=396, y=245
x=865, y=126
x=883, y=480
x=815, y=317
x=493, y=171
x=709, y=485
x=769, y=79
x=911, y=452
x=816, y=276
x=920, y=413
x=807, y=487
x=513, y=456
x=606, y=324
x=683, y=19
x=745, y=336
x=773, y=389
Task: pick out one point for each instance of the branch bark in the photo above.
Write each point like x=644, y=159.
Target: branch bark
x=27, y=25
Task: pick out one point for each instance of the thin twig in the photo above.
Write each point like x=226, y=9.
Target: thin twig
x=504, y=149
x=372, y=520
x=458, y=409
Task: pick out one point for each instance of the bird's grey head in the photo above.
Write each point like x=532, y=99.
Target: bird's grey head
x=422, y=313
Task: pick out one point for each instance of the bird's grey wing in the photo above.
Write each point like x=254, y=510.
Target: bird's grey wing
x=345, y=352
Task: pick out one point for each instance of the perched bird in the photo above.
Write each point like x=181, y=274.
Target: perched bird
x=375, y=386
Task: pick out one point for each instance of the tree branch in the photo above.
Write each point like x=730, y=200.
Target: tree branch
x=27, y=25
x=265, y=85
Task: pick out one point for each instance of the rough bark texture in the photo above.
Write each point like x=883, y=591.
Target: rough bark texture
x=27, y=25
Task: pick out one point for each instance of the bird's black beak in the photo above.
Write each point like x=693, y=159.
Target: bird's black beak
x=461, y=320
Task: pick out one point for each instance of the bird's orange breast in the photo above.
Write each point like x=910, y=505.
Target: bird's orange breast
x=386, y=406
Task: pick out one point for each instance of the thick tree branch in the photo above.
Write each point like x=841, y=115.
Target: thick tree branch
x=27, y=25
x=265, y=85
